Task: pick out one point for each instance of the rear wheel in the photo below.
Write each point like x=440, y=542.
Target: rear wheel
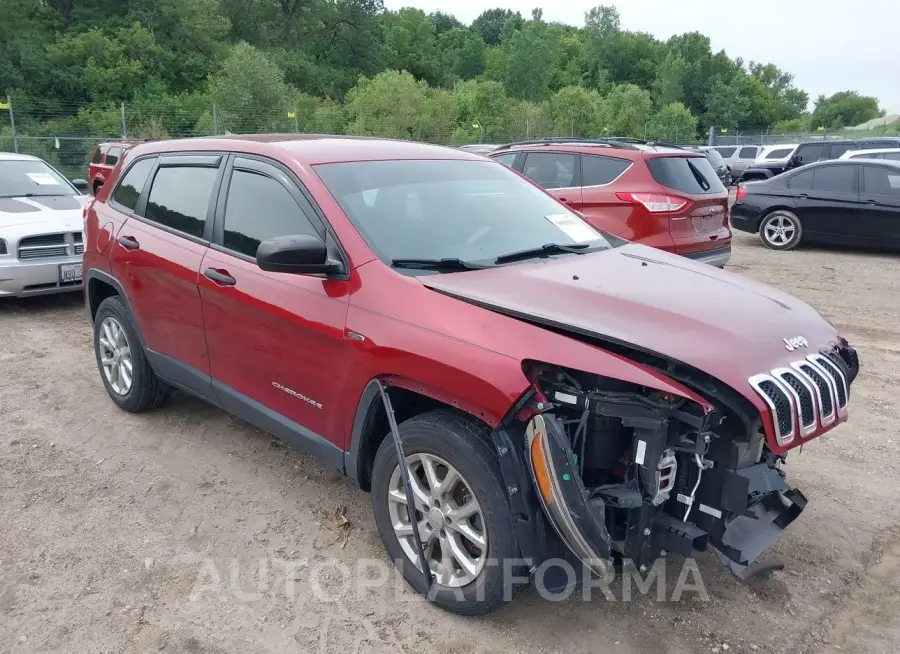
x=781, y=230
x=462, y=512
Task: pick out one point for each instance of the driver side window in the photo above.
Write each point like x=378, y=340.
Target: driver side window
x=258, y=208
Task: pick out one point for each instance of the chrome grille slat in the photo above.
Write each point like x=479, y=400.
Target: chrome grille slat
x=48, y=246
x=814, y=390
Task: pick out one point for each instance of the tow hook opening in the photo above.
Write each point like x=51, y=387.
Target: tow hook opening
x=624, y=472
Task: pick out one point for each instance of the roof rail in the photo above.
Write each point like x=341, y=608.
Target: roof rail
x=574, y=140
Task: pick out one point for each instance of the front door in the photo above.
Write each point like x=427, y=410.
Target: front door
x=275, y=339
x=157, y=255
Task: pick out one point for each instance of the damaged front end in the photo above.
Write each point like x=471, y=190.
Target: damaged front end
x=628, y=473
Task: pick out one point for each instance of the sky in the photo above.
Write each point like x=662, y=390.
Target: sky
x=827, y=45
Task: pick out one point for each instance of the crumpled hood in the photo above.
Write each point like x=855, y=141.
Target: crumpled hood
x=719, y=322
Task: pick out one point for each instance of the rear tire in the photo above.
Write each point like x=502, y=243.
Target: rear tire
x=133, y=386
x=781, y=230
x=464, y=445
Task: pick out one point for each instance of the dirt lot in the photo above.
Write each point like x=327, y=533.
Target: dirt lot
x=115, y=529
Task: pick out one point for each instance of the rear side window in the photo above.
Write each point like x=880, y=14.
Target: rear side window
x=892, y=156
x=837, y=179
x=747, y=153
x=98, y=156
x=179, y=198
x=809, y=153
x=112, y=157
x=802, y=181
x=506, y=159
x=259, y=208
x=779, y=154
x=551, y=169
x=687, y=174
x=597, y=171
x=881, y=181
x=839, y=149
x=129, y=189
x=727, y=152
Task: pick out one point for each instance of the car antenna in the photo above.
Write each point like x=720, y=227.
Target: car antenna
x=410, y=496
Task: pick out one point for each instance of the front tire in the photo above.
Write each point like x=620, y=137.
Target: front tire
x=463, y=514
x=781, y=230
x=124, y=369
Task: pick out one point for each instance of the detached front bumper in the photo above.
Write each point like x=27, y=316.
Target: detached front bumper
x=43, y=277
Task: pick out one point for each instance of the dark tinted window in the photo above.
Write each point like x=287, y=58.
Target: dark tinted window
x=687, y=174
x=726, y=152
x=551, y=169
x=129, y=189
x=179, y=198
x=810, y=153
x=802, y=181
x=506, y=159
x=881, y=181
x=747, y=153
x=779, y=154
x=112, y=157
x=715, y=159
x=839, y=149
x=260, y=208
x=837, y=179
x=596, y=171
x=98, y=156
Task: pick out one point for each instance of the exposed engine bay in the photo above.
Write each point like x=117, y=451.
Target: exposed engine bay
x=626, y=473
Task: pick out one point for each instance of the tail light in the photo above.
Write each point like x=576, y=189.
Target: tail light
x=655, y=202
x=741, y=192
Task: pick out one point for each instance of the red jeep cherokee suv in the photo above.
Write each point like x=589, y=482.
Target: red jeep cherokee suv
x=664, y=197
x=560, y=394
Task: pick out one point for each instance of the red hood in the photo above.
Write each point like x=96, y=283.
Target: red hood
x=724, y=324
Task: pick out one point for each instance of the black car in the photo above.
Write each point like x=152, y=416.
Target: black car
x=852, y=202
x=807, y=153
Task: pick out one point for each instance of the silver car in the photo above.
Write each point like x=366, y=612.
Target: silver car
x=739, y=157
x=41, y=222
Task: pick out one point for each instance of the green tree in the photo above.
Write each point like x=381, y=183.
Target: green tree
x=673, y=122
x=626, y=111
x=845, y=109
x=485, y=102
x=490, y=24
x=670, y=76
x=530, y=60
x=409, y=43
x=462, y=53
x=726, y=105
x=250, y=92
x=389, y=104
x=576, y=112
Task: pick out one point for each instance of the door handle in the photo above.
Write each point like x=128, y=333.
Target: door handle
x=222, y=278
x=129, y=243
x=871, y=201
x=803, y=195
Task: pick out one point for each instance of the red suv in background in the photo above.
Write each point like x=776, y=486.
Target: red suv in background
x=663, y=197
x=557, y=393
x=103, y=159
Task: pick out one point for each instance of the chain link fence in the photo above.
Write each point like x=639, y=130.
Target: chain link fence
x=727, y=136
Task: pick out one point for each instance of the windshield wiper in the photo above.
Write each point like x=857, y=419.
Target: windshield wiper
x=435, y=264
x=547, y=248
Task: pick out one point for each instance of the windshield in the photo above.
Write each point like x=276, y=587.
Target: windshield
x=715, y=159
x=32, y=178
x=471, y=211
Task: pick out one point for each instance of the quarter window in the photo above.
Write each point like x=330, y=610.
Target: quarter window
x=179, y=198
x=802, y=181
x=597, y=170
x=112, y=157
x=129, y=189
x=506, y=159
x=551, y=169
x=259, y=208
x=837, y=179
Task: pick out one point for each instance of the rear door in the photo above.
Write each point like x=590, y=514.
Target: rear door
x=557, y=172
x=827, y=200
x=157, y=255
x=810, y=153
x=879, y=213
x=602, y=176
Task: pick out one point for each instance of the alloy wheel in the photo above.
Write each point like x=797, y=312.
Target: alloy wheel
x=115, y=356
x=449, y=520
x=780, y=230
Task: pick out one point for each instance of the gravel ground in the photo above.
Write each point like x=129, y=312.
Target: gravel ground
x=184, y=530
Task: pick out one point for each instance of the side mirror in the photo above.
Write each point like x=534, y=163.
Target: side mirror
x=300, y=254
x=82, y=185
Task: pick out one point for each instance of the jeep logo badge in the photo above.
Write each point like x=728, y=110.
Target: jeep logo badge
x=795, y=343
